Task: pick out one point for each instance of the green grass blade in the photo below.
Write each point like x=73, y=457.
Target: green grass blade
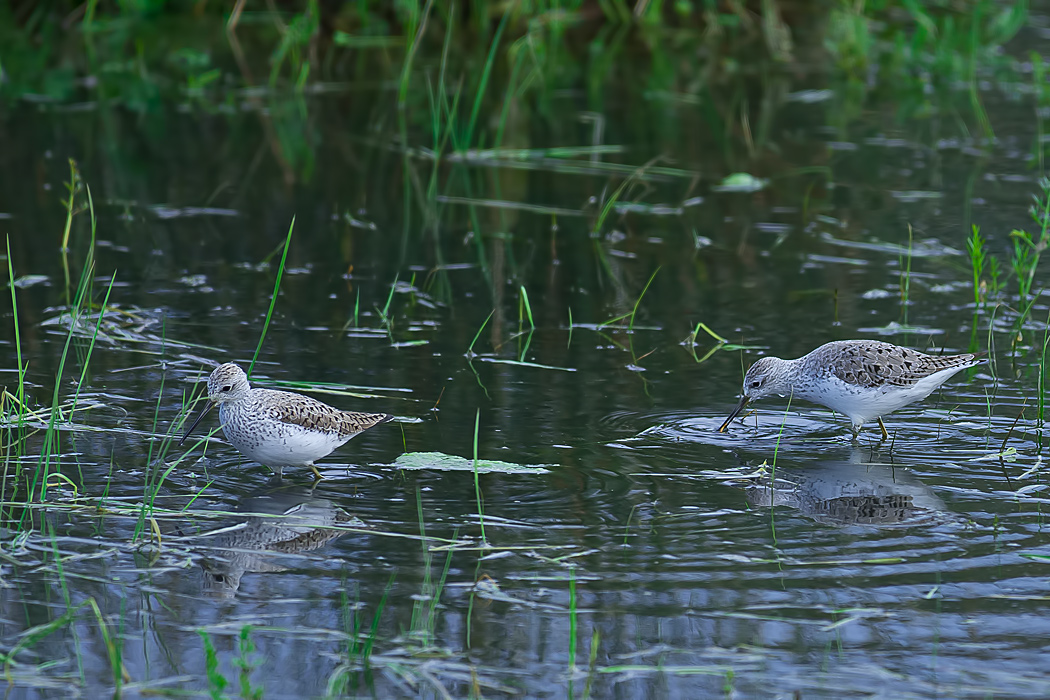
x=273, y=297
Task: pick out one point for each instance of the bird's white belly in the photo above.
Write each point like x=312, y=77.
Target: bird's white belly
x=278, y=444
x=863, y=404
x=288, y=450
x=866, y=406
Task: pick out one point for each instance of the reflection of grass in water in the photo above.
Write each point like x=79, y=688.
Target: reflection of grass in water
x=720, y=344
x=422, y=627
x=630, y=317
x=1041, y=85
x=573, y=629
x=295, y=37
x=938, y=48
x=499, y=56
x=904, y=264
x=477, y=482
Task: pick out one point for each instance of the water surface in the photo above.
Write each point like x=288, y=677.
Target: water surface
x=647, y=555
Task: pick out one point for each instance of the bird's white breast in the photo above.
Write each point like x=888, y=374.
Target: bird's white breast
x=863, y=404
x=275, y=443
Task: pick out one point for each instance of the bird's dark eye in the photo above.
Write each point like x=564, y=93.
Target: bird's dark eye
x=228, y=387
x=757, y=383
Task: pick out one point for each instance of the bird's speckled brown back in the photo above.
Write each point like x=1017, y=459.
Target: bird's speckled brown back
x=309, y=413
x=874, y=364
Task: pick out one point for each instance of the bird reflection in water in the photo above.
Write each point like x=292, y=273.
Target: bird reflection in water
x=850, y=492
x=274, y=524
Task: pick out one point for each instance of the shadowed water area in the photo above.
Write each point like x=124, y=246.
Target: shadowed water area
x=525, y=287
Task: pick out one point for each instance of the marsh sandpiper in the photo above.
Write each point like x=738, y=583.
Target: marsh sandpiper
x=278, y=428
x=862, y=379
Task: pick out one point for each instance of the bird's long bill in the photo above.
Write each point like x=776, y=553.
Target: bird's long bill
x=200, y=416
x=735, y=413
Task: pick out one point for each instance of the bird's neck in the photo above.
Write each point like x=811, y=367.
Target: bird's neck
x=788, y=378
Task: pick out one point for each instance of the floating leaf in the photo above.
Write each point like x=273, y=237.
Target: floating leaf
x=29, y=280
x=500, y=361
x=741, y=182
x=452, y=463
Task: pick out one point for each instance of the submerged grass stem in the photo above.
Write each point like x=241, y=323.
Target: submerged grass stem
x=477, y=482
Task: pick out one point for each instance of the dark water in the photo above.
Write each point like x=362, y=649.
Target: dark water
x=654, y=557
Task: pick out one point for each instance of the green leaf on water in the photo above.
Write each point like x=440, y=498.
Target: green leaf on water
x=452, y=463
x=741, y=182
